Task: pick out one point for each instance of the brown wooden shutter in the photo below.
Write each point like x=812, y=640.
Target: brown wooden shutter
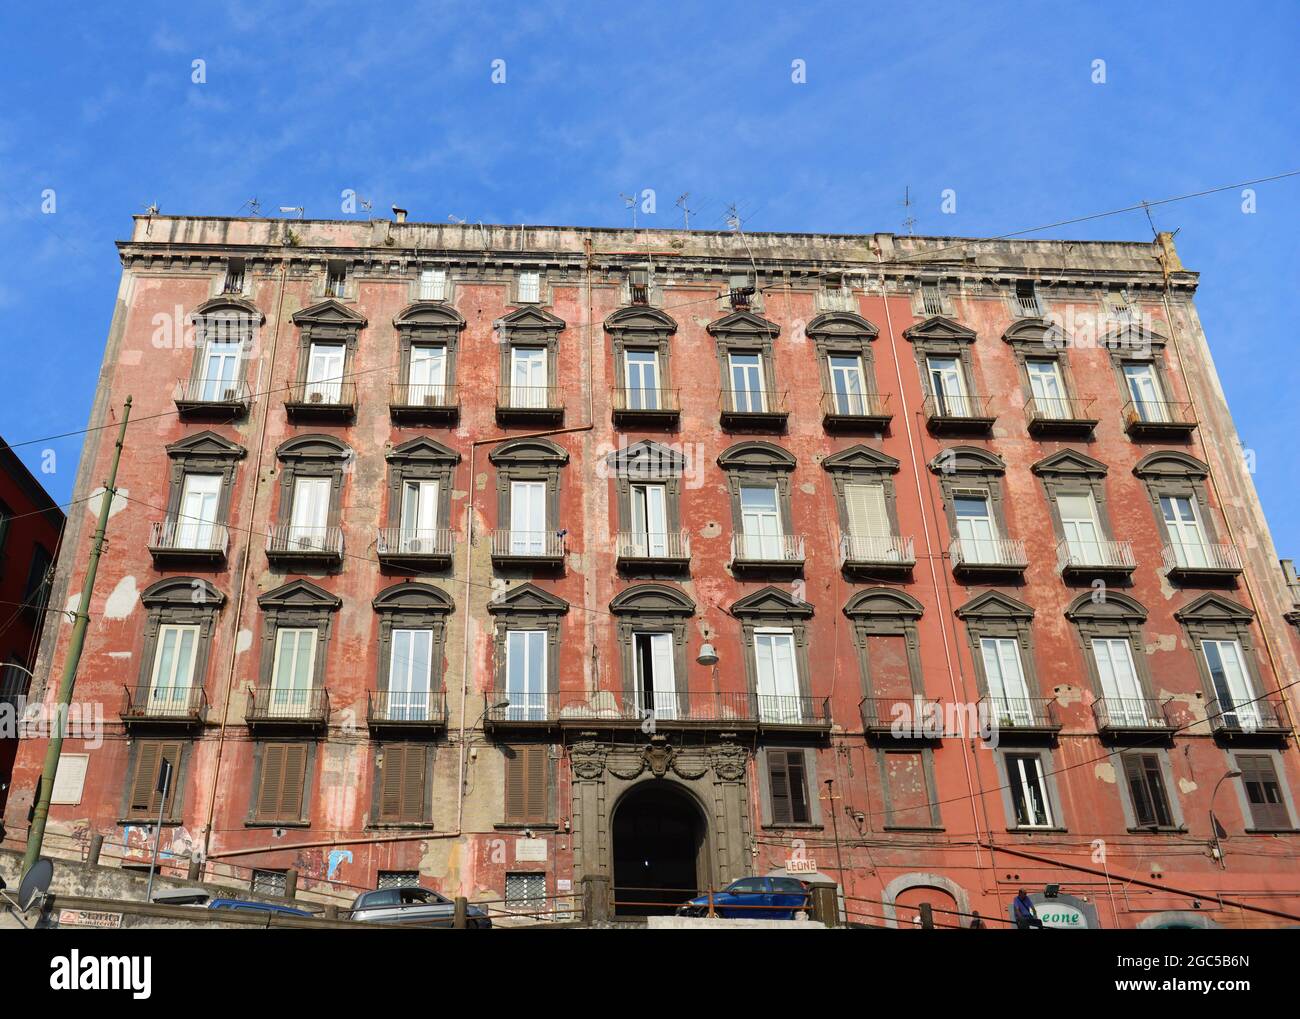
x=390, y=784
x=527, y=785
x=515, y=784
x=536, y=786
x=295, y=770
x=142, y=781
x=794, y=769
x=779, y=782
x=268, y=790
x=402, y=779
x=413, y=775
x=1267, y=808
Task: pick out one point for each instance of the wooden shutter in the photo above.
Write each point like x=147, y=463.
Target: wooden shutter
x=868, y=517
x=526, y=784
x=144, y=780
x=279, y=790
x=1267, y=808
x=401, y=784
x=778, y=771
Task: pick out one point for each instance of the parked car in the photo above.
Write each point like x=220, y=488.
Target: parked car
x=259, y=907
x=420, y=907
x=753, y=898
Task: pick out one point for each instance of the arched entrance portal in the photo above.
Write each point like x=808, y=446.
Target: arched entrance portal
x=659, y=847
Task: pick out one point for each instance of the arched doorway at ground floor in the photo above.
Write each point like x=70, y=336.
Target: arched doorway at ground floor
x=660, y=845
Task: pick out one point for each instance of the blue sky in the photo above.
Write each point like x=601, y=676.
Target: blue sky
x=994, y=101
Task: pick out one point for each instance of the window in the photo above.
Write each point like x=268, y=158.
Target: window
x=976, y=529
x=641, y=337
x=199, y=505
x=1082, y=528
x=295, y=667
x=412, y=631
x=888, y=643
x=948, y=387
x=402, y=786
x=419, y=512
x=773, y=632
x=410, y=674
x=778, y=676
x=234, y=281
x=527, y=784
x=1186, y=535
x=931, y=299
x=1147, y=794
x=747, y=392
x=746, y=365
x=220, y=370
x=761, y=532
x=1268, y=809
x=295, y=640
x=419, y=515
x=398, y=879
x=309, y=519
x=526, y=892
x=1028, y=791
x=325, y=372
x=1232, y=686
x=1144, y=390
x=336, y=278
x=528, y=529
x=530, y=287
x=433, y=285
x=274, y=883
x=1120, y=685
x=311, y=480
x=173, y=667
x=655, y=688
x=281, y=779
x=651, y=632
x=907, y=781
x=143, y=795
x=427, y=374
x=1047, y=387
x=788, y=783
x=867, y=512
x=528, y=386
x=650, y=519
x=647, y=481
x=1006, y=678
x=1027, y=298
x=641, y=368
x=848, y=384
x=526, y=675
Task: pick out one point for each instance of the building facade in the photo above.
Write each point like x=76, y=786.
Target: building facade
x=505, y=560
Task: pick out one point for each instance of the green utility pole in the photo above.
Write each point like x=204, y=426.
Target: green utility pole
x=36, y=834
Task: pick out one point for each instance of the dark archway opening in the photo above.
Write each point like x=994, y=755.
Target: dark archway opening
x=658, y=843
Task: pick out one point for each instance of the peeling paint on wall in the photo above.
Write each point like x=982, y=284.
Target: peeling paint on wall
x=119, y=501
x=122, y=601
x=1105, y=771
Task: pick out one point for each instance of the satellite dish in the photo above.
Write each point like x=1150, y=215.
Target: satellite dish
x=35, y=883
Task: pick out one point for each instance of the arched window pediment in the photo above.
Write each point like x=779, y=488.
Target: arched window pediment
x=967, y=460
x=413, y=597
x=227, y=311
x=841, y=325
x=640, y=322
x=528, y=598
x=522, y=452
x=756, y=454
x=313, y=447
x=429, y=317
x=883, y=602
x=1036, y=333
x=1113, y=607
x=185, y=592
x=861, y=458
x=652, y=599
x=1170, y=464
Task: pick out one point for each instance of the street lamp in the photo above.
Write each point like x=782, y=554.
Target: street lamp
x=1215, y=828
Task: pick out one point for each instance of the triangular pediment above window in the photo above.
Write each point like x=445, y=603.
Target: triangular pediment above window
x=529, y=598
x=756, y=454
x=861, y=458
x=528, y=451
x=771, y=602
x=641, y=320
x=1214, y=608
x=300, y=594
x=186, y=592
x=329, y=312
x=744, y=323
x=937, y=327
x=1169, y=463
x=413, y=597
x=1070, y=463
x=422, y=449
x=1036, y=332
x=530, y=321
x=208, y=445
x=646, y=460
x=652, y=599
x=841, y=325
x=1132, y=337
x=967, y=460
x=995, y=605
x=429, y=316
x=1113, y=606
x=883, y=602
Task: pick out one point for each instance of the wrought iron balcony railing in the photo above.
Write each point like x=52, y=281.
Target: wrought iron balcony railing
x=633, y=402
x=300, y=541
x=910, y=716
x=767, y=550
x=186, y=537
x=876, y=550
x=1061, y=414
x=410, y=708
x=164, y=704
x=292, y=706
x=846, y=408
x=1262, y=715
x=1129, y=714
x=988, y=553
x=223, y=394
x=1098, y=556
x=415, y=396
x=1022, y=714
x=753, y=408
x=958, y=409
x=420, y=543
x=329, y=396
x=508, y=544
x=1159, y=418
x=529, y=400
x=1189, y=559
x=669, y=547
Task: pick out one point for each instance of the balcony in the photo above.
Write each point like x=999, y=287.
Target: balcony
x=750, y=410
x=1028, y=716
x=1260, y=717
x=520, y=711
x=646, y=406
x=295, y=545
x=952, y=415
x=415, y=549
x=417, y=402
x=1159, y=419
x=1086, y=560
x=187, y=541
x=877, y=555
x=164, y=706
x=535, y=405
x=631, y=709
x=528, y=548
x=270, y=708
x=1129, y=716
x=1067, y=416
x=670, y=551
x=321, y=401
x=206, y=399
x=909, y=717
x=848, y=411
x=1201, y=563
x=791, y=713
x=767, y=553
x=407, y=710
x=988, y=557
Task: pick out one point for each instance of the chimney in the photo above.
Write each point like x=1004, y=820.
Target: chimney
x=400, y=214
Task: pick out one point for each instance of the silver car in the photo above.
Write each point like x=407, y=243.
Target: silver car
x=418, y=907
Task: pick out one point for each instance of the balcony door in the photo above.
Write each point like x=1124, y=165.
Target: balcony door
x=200, y=496
x=1005, y=675
x=291, y=678
x=778, y=677
x=419, y=516
x=948, y=386
x=1120, y=685
x=220, y=370
x=1048, y=389
x=1144, y=388
x=1081, y=527
x=762, y=536
x=528, y=377
x=870, y=533
x=409, y=675
x=526, y=675
x=642, y=370
x=975, y=529
x=656, y=690
x=173, y=668
x=1233, y=688
x=427, y=378
x=747, y=391
x=1186, y=534
x=848, y=384
x=309, y=520
x=650, y=520
x=325, y=372
x=527, y=517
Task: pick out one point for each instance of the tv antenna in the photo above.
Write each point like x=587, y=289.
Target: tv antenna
x=682, y=203
x=253, y=206
x=733, y=219
x=909, y=220
x=631, y=203
x=294, y=208
x=455, y=219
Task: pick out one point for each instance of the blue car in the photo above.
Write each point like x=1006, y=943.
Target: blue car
x=256, y=907
x=753, y=898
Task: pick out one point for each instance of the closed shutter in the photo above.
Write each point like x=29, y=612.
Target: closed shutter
x=144, y=781
x=1267, y=808
x=779, y=780
x=868, y=517
x=401, y=784
x=279, y=791
x=526, y=784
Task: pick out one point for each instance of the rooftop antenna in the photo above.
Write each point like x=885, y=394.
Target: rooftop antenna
x=630, y=202
x=455, y=219
x=733, y=218
x=682, y=201
x=909, y=221
x=294, y=208
x=253, y=206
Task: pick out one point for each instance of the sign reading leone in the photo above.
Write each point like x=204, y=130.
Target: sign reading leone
x=801, y=865
x=88, y=918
